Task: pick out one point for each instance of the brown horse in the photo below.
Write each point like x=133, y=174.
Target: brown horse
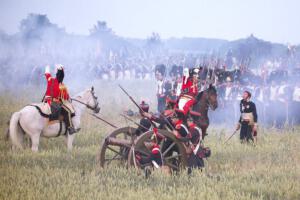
x=205, y=100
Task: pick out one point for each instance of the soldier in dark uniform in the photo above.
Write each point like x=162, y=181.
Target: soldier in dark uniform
x=145, y=123
x=248, y=120
x=160, y=92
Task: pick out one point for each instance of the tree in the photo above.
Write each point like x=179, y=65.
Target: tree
x=36, y=25
x=101, y=29
x=154, y=44
x=154, y=40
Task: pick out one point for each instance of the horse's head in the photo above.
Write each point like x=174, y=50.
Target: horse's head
x=92, y=101
x=212, y=97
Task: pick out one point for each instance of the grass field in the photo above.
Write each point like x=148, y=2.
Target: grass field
x=270, y=170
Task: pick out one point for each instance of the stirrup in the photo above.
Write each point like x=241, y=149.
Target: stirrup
x=71, y=130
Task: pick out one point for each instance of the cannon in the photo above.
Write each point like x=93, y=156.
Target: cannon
x=122, y=147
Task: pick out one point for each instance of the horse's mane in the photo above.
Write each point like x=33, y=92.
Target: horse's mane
x=213, y=88
x=199, y=96
x=80, y=94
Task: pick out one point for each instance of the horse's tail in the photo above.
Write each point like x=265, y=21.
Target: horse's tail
x=15, y=132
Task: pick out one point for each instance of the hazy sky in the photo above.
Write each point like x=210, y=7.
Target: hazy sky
x=273, y=20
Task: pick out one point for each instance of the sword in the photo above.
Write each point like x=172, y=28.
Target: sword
x=230, y=137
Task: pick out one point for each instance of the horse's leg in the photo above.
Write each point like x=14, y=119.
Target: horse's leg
x=203, y=129
x=70, y=139
x=35, y=140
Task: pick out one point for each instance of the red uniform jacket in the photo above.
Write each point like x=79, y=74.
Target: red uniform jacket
x=55, y=91
x=188, y=88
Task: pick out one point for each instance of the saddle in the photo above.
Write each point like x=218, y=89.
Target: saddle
x=53, y=112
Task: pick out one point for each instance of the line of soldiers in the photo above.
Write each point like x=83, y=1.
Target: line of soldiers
x=278, y=103
x=276, y=91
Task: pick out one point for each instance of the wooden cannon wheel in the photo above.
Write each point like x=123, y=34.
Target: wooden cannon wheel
x=172, y=150
x=116, y=146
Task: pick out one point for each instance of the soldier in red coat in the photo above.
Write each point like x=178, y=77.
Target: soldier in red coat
x=57, y=94
x=52, y=91
x=189, y=90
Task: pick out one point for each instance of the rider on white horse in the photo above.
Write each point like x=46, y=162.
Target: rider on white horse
x=31, y=120
x=58, y=98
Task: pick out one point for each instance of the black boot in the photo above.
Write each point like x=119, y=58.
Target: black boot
x=71, y=130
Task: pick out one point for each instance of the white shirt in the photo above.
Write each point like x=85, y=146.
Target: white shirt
x=281, y=93
x=160, y=89
x=261, y=95
x=228, y=93
x=178, y=89
x=296, y=94
x=273, y=93
x=127, y=75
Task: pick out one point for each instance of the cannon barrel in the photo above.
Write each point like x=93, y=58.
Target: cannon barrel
x=118, y=142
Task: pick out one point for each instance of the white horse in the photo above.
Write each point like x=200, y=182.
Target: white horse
x=30, y=121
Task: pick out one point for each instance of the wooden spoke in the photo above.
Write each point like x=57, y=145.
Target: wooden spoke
x=173, y=151
x=116, y=146
x=114, y=158
x=172, y=166
x=168, y=149
x=171, y=157
x=142, y=152
x=115, y=151
x=161, y=144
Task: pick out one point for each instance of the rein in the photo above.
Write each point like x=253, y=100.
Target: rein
x=88, y=106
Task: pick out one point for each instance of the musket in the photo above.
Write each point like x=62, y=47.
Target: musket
x=140, y=125
x=135, y=103
x=134, y=122
x=104, y=120
x=167, y=121
x=130, y=97
x=230, y=137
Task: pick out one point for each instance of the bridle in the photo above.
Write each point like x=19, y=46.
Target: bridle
x=88, y=106
x=207, y=102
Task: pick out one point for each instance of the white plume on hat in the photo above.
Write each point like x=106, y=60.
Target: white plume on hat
x=59, y=67
x=185, y=74
x=47, y=69
x=196, y=70
x=228, y=79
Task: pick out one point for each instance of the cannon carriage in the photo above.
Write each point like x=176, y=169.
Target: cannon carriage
x=123, y=147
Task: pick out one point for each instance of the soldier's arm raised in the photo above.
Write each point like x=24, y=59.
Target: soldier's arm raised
x=47, y=73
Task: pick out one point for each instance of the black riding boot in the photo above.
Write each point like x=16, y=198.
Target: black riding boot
x=68, y=122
